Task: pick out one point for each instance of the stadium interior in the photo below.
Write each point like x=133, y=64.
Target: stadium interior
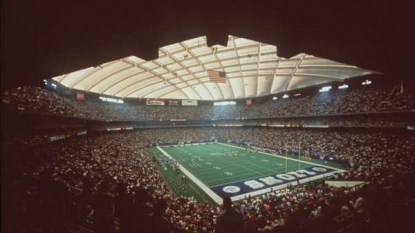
x=135, y=143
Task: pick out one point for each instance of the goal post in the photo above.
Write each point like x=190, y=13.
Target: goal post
x=299, y=155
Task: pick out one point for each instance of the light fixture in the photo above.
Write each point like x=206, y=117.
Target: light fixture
x=344, y=86
x=325, y=89
x=106, y=99
x=223, y=103
x=367, y=82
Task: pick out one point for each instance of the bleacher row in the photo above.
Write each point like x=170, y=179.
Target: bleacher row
x=119, y=183
x=360, y=100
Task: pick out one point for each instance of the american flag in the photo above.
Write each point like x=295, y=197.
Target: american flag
x=217, y=76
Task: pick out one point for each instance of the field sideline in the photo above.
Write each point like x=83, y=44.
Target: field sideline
x=223, y=169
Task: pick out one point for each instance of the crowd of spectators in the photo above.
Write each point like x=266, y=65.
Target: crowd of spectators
x=111, y=183
x=366, y=120
x=22, y=139
x=13, y=140
x=360, y=100
x=357, y=147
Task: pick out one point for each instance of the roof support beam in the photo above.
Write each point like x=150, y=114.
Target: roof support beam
x=122, y=80
x=282, y=74
x=155, y=75
x=199, y=63
x=134, y=83
x=221, y=67
x=86, y=75
x=63, y=77
x=320, y=76
x=343, y=67
x=106, y=76
x=164, y=94
x=158, y=89
x=136, y=79
x=184, y=67
x=295, y=70
x=139, y=87
x=240, y=71
x=257, y=70
x=224, y=50
x=273, y=76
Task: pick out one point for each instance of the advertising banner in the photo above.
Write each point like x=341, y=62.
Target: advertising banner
x=189, y=102
x=173, y=103
x=80, y=96
x=155, y=102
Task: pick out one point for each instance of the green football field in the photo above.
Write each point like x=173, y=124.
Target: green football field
x=216, y=164
x=215, y=170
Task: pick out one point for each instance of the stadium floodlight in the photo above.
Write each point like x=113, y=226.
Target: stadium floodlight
x=367, y=82
x=298, y=94
x=285, y=96
x=325, y=89
x=274, y=98
x=224, y=103
x=344, y=86
x=54, y=85
x=111, y=100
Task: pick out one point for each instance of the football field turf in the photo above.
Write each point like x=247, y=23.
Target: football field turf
x=218, y=171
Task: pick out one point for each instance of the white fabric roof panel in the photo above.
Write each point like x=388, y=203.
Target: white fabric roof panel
x=192, y=94
x=238, y=87
x=279, y=83
x=174, y=95
x=264, y=84
x=300, y=82
x=70, y=79
x=252, y=69
x=156, y=93
x=250, y=82
x=122, y=83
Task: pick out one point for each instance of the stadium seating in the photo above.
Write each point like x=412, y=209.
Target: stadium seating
x=361, y=100
x=81, y=168
x=111, y=180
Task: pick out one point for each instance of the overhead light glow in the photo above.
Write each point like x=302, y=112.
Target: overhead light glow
x=367, y=82
x=111, y=100
x=344, y=86
x=325, y=89
x=298, y=94
x=224, y=103
x=285, y=96
x=274, y=98
x=186, y=60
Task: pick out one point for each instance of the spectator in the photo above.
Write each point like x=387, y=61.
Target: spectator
x=230, y=220
x=157, y=223
x=360, y=100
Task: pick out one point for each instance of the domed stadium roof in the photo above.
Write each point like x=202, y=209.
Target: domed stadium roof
x=250, y=69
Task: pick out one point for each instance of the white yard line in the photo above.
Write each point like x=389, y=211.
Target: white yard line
x=251, y=178
x=252, y=164
x=195, y=180
x=218, y=200
x=229, y=177
x=283, y=157
x=198, y=193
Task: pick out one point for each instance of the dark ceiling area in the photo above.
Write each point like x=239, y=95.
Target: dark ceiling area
x=42, y=39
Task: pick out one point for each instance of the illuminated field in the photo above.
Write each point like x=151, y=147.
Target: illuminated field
x=223, y=169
